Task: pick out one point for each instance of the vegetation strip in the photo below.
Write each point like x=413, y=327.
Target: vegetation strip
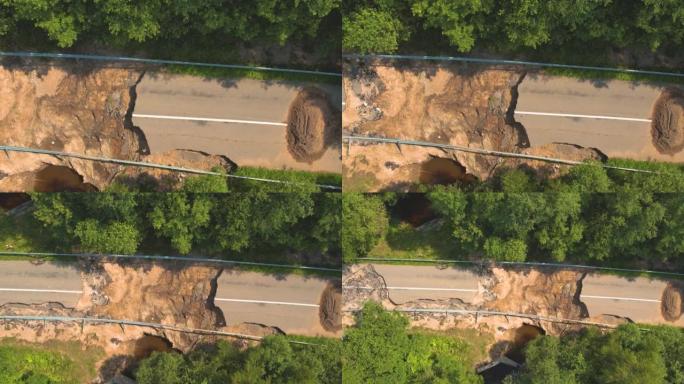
x=141, y=324
x=488, y=152
x=478, y=312
x=152, y=165
x=158, y=61
x=513, y=62
x=175, y=258
x=517, y=263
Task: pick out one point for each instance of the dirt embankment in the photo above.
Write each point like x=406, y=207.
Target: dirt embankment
x=667, y=124
x=672, y=302
x=330, y=307
x=461, y=106
x=312, y=125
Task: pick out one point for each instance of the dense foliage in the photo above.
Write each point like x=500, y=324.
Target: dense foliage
x=514, y=25
x=65, y=22
x=365, y=221
x=272, y=361
x=627, y=355
x=185, y=222
x=23, y=363
x=381, y=349
x=191, y=28
x=631, y=227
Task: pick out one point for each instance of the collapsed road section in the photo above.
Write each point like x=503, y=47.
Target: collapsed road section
x=176, y=296
x=503, y=109
x=500, y=300
x=137, y=113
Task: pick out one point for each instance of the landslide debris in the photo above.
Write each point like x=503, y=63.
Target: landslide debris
x=330, y=307
x=164, y=181
x=672, y=302
x=312, y=125
x=77, y=109
x=457, y=105
x=448, y=105
x=667, y=122
x=533, y=293
x=157, y=293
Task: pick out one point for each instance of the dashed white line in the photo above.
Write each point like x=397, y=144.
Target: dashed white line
x=38, y=290
x=583, y=116
x=618, y=298
x=266, y=302
x=207, y=119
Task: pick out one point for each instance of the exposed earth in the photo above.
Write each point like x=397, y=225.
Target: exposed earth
x=468, y=106
x=668, y=122
x=87, y=109
x=160, y=293
x=549, y=300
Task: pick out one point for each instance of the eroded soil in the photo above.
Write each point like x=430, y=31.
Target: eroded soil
x=168, y=293
x=461, y=106
x=540, y=298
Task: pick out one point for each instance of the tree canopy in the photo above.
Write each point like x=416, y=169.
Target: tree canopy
x=237, y=222
x=555, y=27
x=275, y=360
x=66, y=22
x=629, y=354
x=381, y=349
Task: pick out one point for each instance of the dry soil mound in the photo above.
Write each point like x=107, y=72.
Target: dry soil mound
x=667, y=126
x=311, y=125
x=330, y=308
x=671, y=303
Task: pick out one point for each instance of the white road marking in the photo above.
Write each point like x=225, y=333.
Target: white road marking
x=38, y=290
x=582, y=116
x=419, y=289
x=208, y=119
x=618, y=298
x=267, y=302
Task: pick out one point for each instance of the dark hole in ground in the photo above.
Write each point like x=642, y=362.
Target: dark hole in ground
x=439, y=170
x=147, y=344
x=413, y=208
x=523, y=335
x=57, y=178
x=143, y=348
x=13, y=200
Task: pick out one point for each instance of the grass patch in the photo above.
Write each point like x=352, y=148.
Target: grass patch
x=589, y=74
x=22, y=234
x=52, y=362
x=405, y=242
x=304, y=177
x=477, y=342
x=239, y=73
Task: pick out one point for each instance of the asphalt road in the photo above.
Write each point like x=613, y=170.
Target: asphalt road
x=635, y=298
x=612, y=115
x=243, y=119
x=638, y=299
x=289, y=302
x=23, y=282
x=416, y=282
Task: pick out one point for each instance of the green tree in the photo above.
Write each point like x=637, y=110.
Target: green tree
x=181, y=217
x=372, y=30
x=115, y=237
x=365, y=222
x=459, y=20
x=381, y=349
